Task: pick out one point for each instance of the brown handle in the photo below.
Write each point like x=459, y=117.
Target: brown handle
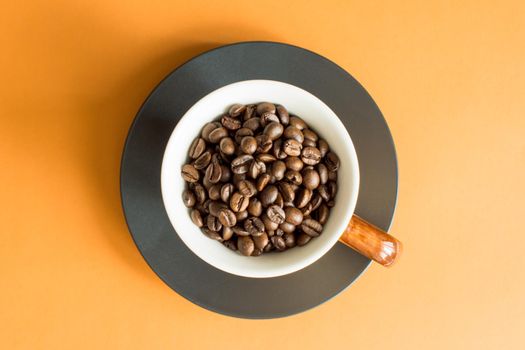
x=371, y=241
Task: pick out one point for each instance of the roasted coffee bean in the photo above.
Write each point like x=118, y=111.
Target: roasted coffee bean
x=303, y=197
x=265, y=157
x=255, y=207
x=257, y=167
x=274, y=130
x=227, y=146
x=291, y=132
x=248, y=144
x=227, y=217
x=214, y=192
x=293, y=216
x=283, y=115
x=226, y=192
x=323, y=214
x=218, y=134
x=332, y=175
x=245, y=245
x=249, y=112
x=203, y=161
x=322, y=170
x=226, y=173
x=230, y=123
x=197, y=147
x=293, y=177
x=227, y=232
x=239, y=231
x=303, y=239
x=189, y=173
x=230, y=244
x=310, y=135
x=200, y=193
x=265, y=107
x=309, y=143
x=242, y=132
x=188, y=198
x=278, y=169
x=311, y=179
x=324, y=193
x=330, y=203
x=287, y=227
x=264, y=143
x=297, y=122
x=269, y=224
x=279, y=201
x=236, y=110
x=277, y=149
x=310, y=155
x=238, y=178
x=316, y=201
x=307, y=209
x=287, y=192
x=289, y=240
x=238, y=202
x=212, y=234
x=261, y=241
x=253, y=124
x=275, y=214
x=214, y=207
x=311, y=227
x=254, y=226
x=262, y=181
x=332, y=161
x=196, y=217
x=279, y=232
x=267, y=118
x=294, y=163
x=213, y=172
x=278, y=243
x=323, y=147
x=292, y=148
x=332, y=189
x=257, y=252
x=207, y=129
x=247, y=188
x=213, y=223
x=242, y=215
x=241, y=164
x=268, y=195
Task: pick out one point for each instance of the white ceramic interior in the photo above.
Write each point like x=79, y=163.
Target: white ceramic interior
x=299, y=102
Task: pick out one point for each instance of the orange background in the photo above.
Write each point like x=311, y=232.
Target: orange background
x=449, y=78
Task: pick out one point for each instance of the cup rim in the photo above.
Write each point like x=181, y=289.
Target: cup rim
x=176, y=217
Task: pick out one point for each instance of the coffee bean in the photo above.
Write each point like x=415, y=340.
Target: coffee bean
x=293, y=177
x=242, y=215
x=283, y=115
x=277, y=149
x=254, y=207
x=307, y=209
x=214, y=207
x=264, y=143
x=247, y=188
x=242, y=132
x=297, y=122
x=245, y=245
x=203, y=160
x=303, y=239
x=189, y=173
x=268, y=248
x=311, y=227
x=278, y=169
x=267, y=118
x=291, y=132
x=257, y=167
x=294, y=163
x=274, y=130
x=324, y=193
x=212, y=234
x=236, y=110
x=254, y=226
x=303, y=197
x=310, y=155
x=324, y=213
x=264, y=107
x=207, y=129
x=275, y=214
x=287, y=227
x=227, y=233
x=238, y=202
x=316, y=201
x=217, y=135
x=253, y=124
x=227, y=217
x=286, y=191
x=257, y=252
x=249, y=112
x=269, y=224
x=213, y=172
x=261, y=241
x=268, y=195
x=292, y=148
x=293, y=216
x=278, y=243
x=230, y=244
x=265, y=157
x=322, y=170
x=332, y=175
x=238, y=178
x=248, y=144
x=279, y=201
x=239, y=231
x=311, y=179
x=332, y=189
x=323, y=147
x=200, y=193
x=197, y=147
x=309, y=143
x=214, y=192
x=196, y=217
x=241, y=164
x=289, y=240
x=226, y=192
x=213, y=223
x=332, y=161
x=227, y=146
x=230, y=123
x=262, y=181
x=188, y=198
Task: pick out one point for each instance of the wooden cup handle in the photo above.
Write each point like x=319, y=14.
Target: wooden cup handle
x=371, y=241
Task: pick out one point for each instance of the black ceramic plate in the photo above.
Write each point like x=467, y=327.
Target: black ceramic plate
x=148, y=222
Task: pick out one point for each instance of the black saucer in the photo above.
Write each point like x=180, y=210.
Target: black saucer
x=148, y=222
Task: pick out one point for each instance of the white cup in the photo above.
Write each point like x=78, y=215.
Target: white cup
x=320, y=118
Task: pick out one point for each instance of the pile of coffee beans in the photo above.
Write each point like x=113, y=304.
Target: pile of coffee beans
x=260, y=180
